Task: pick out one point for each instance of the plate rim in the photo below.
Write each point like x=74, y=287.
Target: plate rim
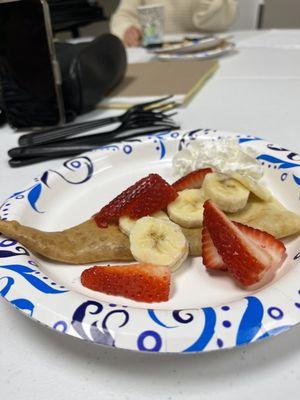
x=205, y=54
x=180, y=47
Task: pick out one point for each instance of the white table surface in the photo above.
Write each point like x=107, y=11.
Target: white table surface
x=256, y=90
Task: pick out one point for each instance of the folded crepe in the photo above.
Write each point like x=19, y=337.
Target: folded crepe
x=87, y=243
x=270, y=216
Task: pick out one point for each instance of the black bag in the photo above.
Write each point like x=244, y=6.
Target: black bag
x=90, y=71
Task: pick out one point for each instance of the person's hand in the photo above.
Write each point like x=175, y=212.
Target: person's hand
x=132, y=37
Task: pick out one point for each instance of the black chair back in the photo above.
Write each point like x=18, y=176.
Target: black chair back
x=70, y=15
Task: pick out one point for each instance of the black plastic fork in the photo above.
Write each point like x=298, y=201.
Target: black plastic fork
x=155, y=109
x=22, y=156
x=136, y=125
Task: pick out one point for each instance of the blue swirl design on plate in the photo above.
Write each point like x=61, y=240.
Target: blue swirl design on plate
x=19, y=250
x=125, y=146
x=33, y=194
x=74, y=165
x=186, y=319
x=103, y=336
x=128, y=145
x=22, y=304
x=7, y=253
x=248, y=139
x=7, y=287
x=207, y=332
x=274, y=331
x=251, y=321
x=274, y=160
x=149, y=334
x=296, y=179
x=127, y=149
x=26, y=273
x=176, y=314
x=155, y=319
x=186, y=138
x=160, y=137
x=61, y=326
x=109, y=147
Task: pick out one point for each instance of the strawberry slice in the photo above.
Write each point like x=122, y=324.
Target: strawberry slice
x=213, y=260
x=141, y=282
x=145, y=197
x=193, y=180
x=242, y=249
x=210, y=255
x=266, y=241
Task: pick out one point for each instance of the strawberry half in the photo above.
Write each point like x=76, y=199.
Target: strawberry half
x=141, y=282
x=145, y=197
x=274, y=247
x=243, y=250
x=213, y=260
x=210, y=255
x=193, y=180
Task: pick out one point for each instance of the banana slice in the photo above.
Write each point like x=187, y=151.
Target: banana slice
x=126, y=223
x=179, y=263
x=228, y=194
x=256, y=188
x=187, y=209
x=159, y=242
x=160, y=215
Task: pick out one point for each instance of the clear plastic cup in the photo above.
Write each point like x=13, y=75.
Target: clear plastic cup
x=152, y=22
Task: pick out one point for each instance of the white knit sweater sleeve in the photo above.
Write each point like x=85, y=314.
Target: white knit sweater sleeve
x=124, y=17
x=190, y=15
x=215, y=15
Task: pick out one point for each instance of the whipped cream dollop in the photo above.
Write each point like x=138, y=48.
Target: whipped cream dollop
x=223, y=155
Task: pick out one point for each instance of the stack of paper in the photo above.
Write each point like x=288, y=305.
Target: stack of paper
x=154, y=79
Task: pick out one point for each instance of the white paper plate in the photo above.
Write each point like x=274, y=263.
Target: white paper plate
x=204, y=312
x=190, y=46
x=201, y=55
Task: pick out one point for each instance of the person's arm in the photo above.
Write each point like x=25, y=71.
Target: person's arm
x=215, y=15
x=125, y=24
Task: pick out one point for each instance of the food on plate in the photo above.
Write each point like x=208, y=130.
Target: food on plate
x=218, y=208
x=187, y=209
x=250, y=255
x=126, y=223
x=159, y=242
x=86, y=242
x=238, y=163
x=145, y=197
x=270, y=216
x=253, y=186
x=193, y=180
x=83, y=243
x=227, y=193
x=224, y=155
x=141, y=282
x=211, y=257
x=193, y=236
